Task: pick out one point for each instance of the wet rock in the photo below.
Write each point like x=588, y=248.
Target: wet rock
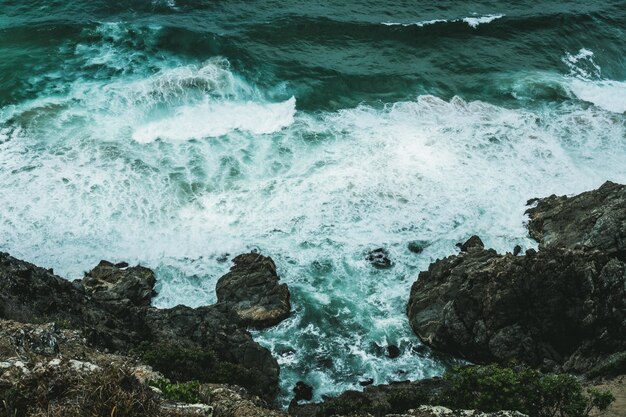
x=252, y=292
x=517, y=250
x=473, y=243
x=366, y=382
x=112, y=283
x=594, y=220
x=379, y=258
x=417, y=246
x=393, y=351
x=302, y=391
x=378, y=400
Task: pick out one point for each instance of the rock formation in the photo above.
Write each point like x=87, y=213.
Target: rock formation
x=252, y=292
x=561, y=308
x=111, y=308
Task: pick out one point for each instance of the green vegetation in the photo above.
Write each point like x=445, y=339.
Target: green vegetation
x=187, y=392
x=492, y=388
x=182, y=364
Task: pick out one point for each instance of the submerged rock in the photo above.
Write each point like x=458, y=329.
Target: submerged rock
x=559, y=308
x=252, y=292
x=417, y=246
x=379, y=258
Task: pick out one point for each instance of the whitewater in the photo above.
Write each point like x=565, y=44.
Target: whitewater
x=150, y=141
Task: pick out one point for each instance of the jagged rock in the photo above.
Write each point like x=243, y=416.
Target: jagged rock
x=252, y=292
x=540, y=310
x=378, y=400
x=379, y=258
x=109, y=282
x=591, y=220
x=562, y=307
x=473, y=243
x=109, y=307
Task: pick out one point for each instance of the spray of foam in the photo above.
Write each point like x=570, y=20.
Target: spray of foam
x=586, y=82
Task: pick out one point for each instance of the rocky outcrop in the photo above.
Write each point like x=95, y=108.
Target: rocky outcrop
x=111, y=309
x=377, y=400
x=563, y=307
x=119, y=283
x=252, y=292
x=594, y=220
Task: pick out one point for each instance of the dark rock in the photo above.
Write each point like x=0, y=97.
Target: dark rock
x=473, y=243
x=379, y=258
x=377, y=400
x=122, y=265
x=302, y=391
x=562, y=307
x=393, y=351
x=251, y=291
x=517, y=250
x=366, y=382
x=223, y=258
x=111, y=283
x=417, y=246
x=594, y=220
x=111, y=308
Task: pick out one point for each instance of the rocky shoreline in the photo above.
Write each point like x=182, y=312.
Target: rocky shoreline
x=559, y=309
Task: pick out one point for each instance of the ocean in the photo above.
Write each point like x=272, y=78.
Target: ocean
x=180, y=133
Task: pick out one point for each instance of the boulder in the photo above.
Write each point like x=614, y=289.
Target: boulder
x=560, y=308
x=118, y=283
x=251, y=291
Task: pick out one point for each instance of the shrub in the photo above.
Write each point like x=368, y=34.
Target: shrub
x=492, y=388
x=187, y=392
x=182, y=364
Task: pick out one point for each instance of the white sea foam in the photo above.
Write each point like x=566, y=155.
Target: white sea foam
x=473, y=21
x=476, y=21
x=213, y=119
x=586, y=82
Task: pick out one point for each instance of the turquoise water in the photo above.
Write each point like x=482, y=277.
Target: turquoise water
x=174, y=132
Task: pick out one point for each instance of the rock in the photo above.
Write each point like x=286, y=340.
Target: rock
x=379, y=258
x=473, y=243
x=252, y=292
x=302, y=391
x=517, y=250
x=438, y=411
x=393, y=351
x=417, y=246
x=366, y=382
x=560, y=308
x=111, y=308
x=377, y=400
x=552, y=306
x=117, y=283
x=594, y=220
